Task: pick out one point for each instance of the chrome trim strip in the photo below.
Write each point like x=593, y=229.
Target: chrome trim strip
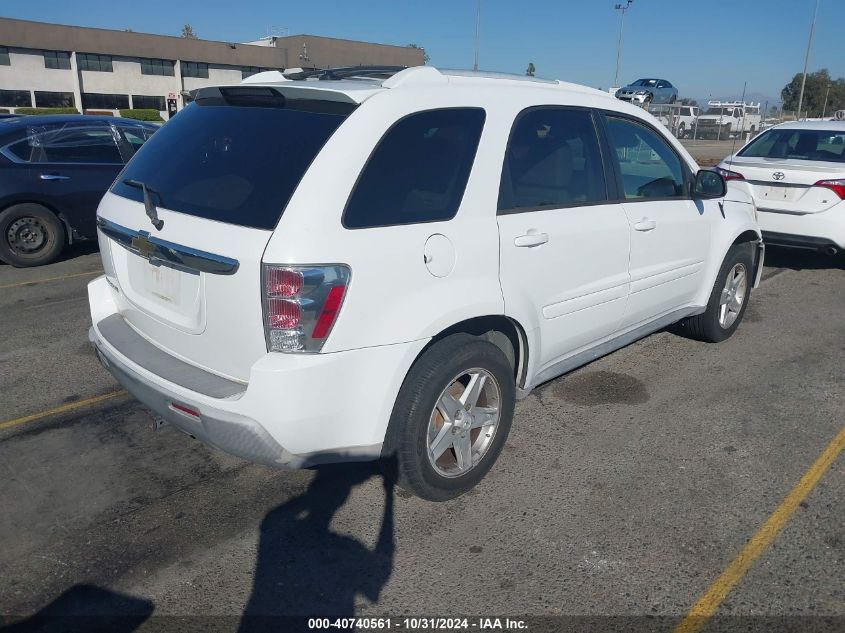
x=163, y=253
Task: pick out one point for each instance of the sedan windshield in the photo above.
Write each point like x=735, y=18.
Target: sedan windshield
x=645, y=82
x=816, y=145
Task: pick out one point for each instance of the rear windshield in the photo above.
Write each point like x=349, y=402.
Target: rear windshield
x=232, y=163
x=818, y=145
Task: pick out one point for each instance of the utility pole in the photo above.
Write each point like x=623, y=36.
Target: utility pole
x=807, y=59
x=826, y=95
x=477, y=31
x=623, y=8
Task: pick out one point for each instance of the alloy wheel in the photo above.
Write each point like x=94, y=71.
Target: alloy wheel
x=463, y=422
x=733, y=295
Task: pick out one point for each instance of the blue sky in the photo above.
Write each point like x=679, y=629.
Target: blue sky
x=705, y=48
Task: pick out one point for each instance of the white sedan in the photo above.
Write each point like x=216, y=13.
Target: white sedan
x=796, y=174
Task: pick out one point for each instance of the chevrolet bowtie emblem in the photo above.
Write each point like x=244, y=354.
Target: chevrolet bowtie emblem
x=143, y=246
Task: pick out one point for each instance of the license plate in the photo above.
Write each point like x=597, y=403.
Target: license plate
x=163, y=282
x=780, y=193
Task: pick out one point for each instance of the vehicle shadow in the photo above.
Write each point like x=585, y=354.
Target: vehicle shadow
x=78, y=249
x=306, y=570
x=88, y=609
x=802, y=259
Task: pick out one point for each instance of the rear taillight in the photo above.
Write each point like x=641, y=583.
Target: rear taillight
x=836, y=186
x=727, y=174
x=301, y=304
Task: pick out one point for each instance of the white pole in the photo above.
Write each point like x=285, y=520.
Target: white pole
x=477, y=31
x=807, y=59
x=826, y=95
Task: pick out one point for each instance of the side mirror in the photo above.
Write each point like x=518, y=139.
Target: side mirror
x=708, y=185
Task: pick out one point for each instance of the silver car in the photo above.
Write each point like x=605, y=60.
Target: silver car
x=645, y=91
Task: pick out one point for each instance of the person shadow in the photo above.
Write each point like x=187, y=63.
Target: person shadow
x=86, y=609
x=304, y=569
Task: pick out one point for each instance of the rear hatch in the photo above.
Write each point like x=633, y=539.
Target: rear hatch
x=215, y=179
x=783, y=166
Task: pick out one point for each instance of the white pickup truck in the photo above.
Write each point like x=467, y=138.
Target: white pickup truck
x=725, y=119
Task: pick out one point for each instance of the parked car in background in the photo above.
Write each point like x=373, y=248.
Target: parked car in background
x=559, y=223
x=680, y=119
x=645, y=91
x=725, y=119
x=53, y=171
x=796, y=174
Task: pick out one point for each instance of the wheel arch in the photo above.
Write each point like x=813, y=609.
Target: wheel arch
x=504, y=332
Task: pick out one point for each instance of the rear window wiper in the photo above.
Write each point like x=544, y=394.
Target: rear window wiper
x=149, y=205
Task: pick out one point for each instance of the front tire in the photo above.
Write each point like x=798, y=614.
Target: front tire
x=728, y=299
x=451, y=417
x=682, y=131
x=30, y=235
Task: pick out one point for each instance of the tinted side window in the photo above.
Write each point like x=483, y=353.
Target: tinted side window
x=68, y=143
x=418, y=171
x=552, y=160
x=648, y=166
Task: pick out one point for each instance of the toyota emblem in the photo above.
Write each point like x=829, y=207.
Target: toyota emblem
x=778, y=175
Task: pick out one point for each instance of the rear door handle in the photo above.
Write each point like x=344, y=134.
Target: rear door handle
x=645, y=224
x=532, y=238
x=54, y=177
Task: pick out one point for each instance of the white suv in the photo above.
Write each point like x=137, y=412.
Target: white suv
x=305, y=271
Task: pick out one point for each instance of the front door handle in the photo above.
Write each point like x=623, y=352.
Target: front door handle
x=54, y=177
x=532, y=238
x=645, y=224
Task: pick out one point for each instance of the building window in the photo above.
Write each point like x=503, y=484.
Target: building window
x=54, y=99
x=249, y=71
x=98, y=101
x=15, y=98
x=146, y=102
x=195, y=69
x=4, y=56
x=90, y=61
x=162, y=67
x=57, y=59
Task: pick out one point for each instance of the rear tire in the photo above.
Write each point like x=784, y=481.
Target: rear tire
x=728, y=299
x=30, y=235
x=446, y=431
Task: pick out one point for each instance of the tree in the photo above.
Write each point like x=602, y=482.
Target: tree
x=689, y=102
x=530, y=70
x=814, y=94
x=426, y=57
x=188, y=32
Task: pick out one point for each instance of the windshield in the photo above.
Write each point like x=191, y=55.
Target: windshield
x=816, y=145
x=231, y=163
x=645, y=82
x=722, y=111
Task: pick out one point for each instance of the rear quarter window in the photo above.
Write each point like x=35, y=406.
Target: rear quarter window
x=418, y=171
x=236, y=160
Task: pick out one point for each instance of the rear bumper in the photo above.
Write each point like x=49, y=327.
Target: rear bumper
x=816, y=231
x=297, y=410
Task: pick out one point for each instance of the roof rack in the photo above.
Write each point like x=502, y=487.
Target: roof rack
x=733, y=104
x=349, y=72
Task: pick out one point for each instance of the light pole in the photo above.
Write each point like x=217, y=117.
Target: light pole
x=807, y=59
x=826, y=95
x=622, y=8
x=477, y=31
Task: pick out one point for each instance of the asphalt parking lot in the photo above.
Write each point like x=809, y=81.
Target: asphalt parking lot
x=627, y=488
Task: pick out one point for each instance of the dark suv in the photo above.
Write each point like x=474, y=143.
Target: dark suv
x=53, y=172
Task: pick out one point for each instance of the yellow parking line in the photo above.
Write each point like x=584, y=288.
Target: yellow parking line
x=40, y=281
x=706, y=606
x=62, y=409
